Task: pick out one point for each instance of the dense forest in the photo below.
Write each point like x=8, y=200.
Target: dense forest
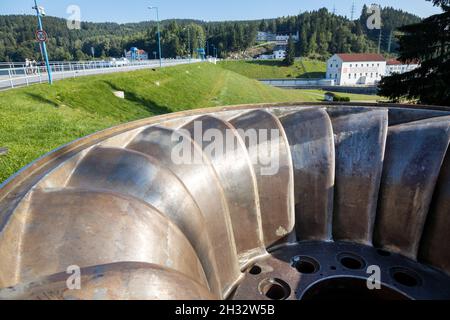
x=322, y=33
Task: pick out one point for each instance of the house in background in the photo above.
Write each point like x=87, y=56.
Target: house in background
x=265, y=36
x=280, y=39
x=283, y=39
x=349, y=69
x=265, y=57
x=136, y=54
x=279, y=53
x=395, y=66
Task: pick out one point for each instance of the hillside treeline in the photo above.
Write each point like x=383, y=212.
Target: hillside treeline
x=322, y=33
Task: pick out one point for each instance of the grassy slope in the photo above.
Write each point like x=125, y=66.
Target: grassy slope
x=274, y=69
x=37, y=119
x=40, y=118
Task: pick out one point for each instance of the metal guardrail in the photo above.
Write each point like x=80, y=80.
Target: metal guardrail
x=12, y=65
x=292, y=82
x=24, y=76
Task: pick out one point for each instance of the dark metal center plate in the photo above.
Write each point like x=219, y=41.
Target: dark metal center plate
x=339, y=270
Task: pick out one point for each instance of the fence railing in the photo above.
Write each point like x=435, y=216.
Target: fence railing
x=26, y=75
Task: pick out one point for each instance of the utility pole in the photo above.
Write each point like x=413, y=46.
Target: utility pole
x=390, y=42
x=381, y=30
x=159, y=34
x=379, y=41
x=40, y=12
x=189, y=43
x=214, y=50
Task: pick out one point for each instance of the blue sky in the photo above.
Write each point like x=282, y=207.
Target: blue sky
x=212, y=10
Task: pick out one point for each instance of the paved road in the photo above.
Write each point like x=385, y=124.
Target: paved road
x=20, y=80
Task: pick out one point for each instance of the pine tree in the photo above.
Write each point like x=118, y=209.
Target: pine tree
x=430, y=83
x=290, y=52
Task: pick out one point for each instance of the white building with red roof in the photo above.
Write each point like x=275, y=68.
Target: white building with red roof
x=352, y=69
x=395, y=66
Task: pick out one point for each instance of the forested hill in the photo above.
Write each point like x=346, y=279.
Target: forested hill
x=322, y=34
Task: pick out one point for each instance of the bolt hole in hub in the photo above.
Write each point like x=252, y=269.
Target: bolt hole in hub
x=349, y=289
x=306, y=265
x=351, y=261
x=406, y=277
x=275, y=289
x=255, y=270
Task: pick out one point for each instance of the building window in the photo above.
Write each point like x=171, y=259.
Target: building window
x=349, y=75
x=357, y=65
x=371, y=75
x=351, y=65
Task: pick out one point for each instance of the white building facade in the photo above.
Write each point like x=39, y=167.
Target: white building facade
x=281, y=39
x=265, y=57
x=279, y=54
x=395, y=66
x=356, y=69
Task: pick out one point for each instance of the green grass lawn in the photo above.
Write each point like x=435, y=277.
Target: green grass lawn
x=275, y=69
x=40, y=118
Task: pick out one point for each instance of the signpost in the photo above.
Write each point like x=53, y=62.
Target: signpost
x=41, y=36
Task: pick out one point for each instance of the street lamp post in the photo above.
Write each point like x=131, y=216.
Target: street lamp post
x=159, y=34
x=189, y=43
x=43, y=45
x=214, y=51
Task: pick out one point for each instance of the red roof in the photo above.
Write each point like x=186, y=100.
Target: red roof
x=357, y=57
x=393, y=62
